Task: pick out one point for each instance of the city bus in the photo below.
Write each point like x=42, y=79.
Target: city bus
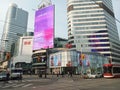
x=111, y=70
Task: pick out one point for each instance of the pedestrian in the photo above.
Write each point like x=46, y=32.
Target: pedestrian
x=20, y=77
x=57, y=74
x=40, y=74
x=71, y=74
x=68, y=73
x=7, y=76
x=62, y=73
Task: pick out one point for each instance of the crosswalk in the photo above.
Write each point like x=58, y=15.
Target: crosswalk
x=15, y=84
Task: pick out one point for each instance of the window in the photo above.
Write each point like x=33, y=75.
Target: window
x=107, y=69
x=116, y=69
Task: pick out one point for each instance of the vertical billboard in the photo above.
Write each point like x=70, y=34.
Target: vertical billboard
x=44, y=28
x=55, y=60
x=26, y=46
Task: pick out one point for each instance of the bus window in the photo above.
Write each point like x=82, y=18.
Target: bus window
x=107, y=69
x=116, y=69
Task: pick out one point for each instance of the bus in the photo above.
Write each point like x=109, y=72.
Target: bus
x=111, y=70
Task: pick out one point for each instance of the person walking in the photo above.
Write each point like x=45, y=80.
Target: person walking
x=62, y=73
x=7, y=76
x=68, y=73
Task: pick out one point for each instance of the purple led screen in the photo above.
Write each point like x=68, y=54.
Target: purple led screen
x=44, y=28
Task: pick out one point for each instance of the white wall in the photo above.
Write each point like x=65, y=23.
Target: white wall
x=25, y=45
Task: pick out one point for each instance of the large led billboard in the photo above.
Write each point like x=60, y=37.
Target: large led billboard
x=44, y=28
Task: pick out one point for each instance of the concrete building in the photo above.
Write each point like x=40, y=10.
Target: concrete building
x=22, y=53
x=92, y=27
x=15, y=25
x=23, y=49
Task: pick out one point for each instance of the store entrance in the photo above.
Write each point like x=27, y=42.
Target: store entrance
x=69, y=70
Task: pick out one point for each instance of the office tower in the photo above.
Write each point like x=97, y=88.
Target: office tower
x=92, y=27
x=15, y=25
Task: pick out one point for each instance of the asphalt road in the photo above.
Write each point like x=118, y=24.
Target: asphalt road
x=61, y=83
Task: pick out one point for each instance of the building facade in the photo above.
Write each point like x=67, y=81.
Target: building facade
x=15, y=25
x=73, y=61
x=92, y=27
x=22, y=55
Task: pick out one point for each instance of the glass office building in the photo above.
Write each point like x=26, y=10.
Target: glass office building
x=15, y=25
x=92, y=27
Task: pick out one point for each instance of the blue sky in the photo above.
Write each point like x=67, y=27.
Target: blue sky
x=60, y=14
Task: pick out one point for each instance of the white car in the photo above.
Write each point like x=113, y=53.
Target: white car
x=99, y=75
x=91, y=75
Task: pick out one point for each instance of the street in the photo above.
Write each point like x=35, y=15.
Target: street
x=61, y=83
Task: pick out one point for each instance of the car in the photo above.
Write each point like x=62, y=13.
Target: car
x=99, y=75
x=3, y=76
x=91, y=75
x=85, y=76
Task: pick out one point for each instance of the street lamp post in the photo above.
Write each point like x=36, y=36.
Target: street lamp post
x=81, y=58
x=47, y=59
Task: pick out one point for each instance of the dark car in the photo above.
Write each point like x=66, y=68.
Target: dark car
x=3, y=76
x=99, y=75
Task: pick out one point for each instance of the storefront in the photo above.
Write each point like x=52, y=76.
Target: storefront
x=75, y=62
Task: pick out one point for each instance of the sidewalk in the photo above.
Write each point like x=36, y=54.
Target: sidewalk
x=30, y=76
x=36, y=77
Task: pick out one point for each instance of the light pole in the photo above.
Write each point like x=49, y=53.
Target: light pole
x=81, y=60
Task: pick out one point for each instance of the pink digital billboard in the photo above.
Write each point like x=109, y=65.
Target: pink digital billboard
x=44, y=28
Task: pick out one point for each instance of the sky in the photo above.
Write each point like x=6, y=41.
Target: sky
x=60, y=14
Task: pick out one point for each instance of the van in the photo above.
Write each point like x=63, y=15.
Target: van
x=16, y=73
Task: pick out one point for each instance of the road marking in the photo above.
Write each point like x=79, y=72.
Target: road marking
x=9, y=85
x=16, y=81
x=27, y=85
x=18, y=85
x=23, y=80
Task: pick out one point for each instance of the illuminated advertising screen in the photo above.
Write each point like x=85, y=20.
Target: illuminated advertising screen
x=44, y=28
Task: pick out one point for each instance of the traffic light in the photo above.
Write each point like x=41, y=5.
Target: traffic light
x=82, y=57
x=7, y=55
